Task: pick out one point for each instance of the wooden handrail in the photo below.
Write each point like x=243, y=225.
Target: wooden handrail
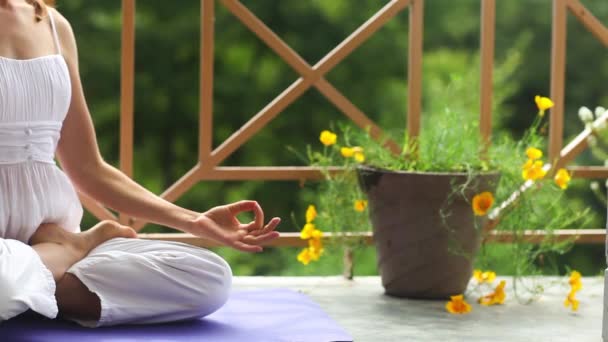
x=581, y=236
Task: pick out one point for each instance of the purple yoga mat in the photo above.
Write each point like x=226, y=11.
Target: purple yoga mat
x=271, y=315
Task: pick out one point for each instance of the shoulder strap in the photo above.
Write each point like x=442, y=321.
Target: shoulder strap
x=55, y=36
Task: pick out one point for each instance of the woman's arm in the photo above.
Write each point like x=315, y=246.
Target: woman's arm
x=79, y=156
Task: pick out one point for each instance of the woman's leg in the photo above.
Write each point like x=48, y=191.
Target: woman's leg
x=59, y=249
x=28, y=274
x=132, y=281
x=75, y=300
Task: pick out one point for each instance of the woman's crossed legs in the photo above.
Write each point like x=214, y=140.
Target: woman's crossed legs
x=104, y=277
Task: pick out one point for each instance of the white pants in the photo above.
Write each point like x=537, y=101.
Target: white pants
x=137, y=281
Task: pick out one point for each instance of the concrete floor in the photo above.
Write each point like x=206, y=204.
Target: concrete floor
x=365, y=312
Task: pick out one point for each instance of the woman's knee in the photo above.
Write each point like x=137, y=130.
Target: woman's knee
x=219, y=293
x=208, y=278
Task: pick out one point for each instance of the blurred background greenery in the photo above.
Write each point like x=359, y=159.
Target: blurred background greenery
x=248, y=75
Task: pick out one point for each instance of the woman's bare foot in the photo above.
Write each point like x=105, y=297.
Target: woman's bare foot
x=75, y=246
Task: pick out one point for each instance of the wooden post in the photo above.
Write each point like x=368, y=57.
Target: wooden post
x=558, y=75
x=415, y=68
x=127, y=73
x=488, y=25
x=206, y=83
x=349, y=264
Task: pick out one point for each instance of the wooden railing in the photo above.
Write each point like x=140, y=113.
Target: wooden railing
x=209, y=162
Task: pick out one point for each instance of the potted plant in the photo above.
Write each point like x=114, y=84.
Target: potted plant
x=430, y=204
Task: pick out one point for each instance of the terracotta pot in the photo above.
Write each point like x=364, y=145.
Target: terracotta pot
x=421, y=255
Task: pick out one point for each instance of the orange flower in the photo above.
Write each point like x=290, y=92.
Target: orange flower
x=482, y=203
x=496, y=297
x=457, y=305
x=360, y=205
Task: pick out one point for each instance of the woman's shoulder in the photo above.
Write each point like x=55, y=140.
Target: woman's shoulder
x=64, y=29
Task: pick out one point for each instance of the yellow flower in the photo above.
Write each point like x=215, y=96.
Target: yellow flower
x=543, y=103
x=304, y=257
x=562, y=178
x=359, y=157
x=571, y=301
x=315, y=243
x=575, y=281
x=534, y=153
x=315, y=248
x=347, y=152
x=533, y=170
x=310, y=232
x=328, y=138
x=482, y=203
x=360, y=205
x=457, y=305
x=484, y=277
x=496, y=297
x=307, y=231
x=311, y=213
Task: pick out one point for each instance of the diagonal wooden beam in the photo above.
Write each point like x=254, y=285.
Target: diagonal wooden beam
x=579, y=143
x=260, y=120
x=590, y=22
x=257, y=26
x=302, y=84
x=183, y=184
x=359, y=36
x=354, y=113
x=294, y=60
x=574, y=148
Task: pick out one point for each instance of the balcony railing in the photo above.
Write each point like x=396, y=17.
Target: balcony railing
x=209, y=162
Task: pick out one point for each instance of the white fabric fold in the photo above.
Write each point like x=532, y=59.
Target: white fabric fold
x=25, y=283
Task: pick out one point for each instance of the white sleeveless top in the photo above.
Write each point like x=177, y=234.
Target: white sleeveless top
x=35, y=96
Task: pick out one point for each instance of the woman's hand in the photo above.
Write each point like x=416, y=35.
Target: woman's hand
x=221, y=224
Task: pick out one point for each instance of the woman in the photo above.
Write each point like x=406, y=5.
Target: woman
x=102, y=276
